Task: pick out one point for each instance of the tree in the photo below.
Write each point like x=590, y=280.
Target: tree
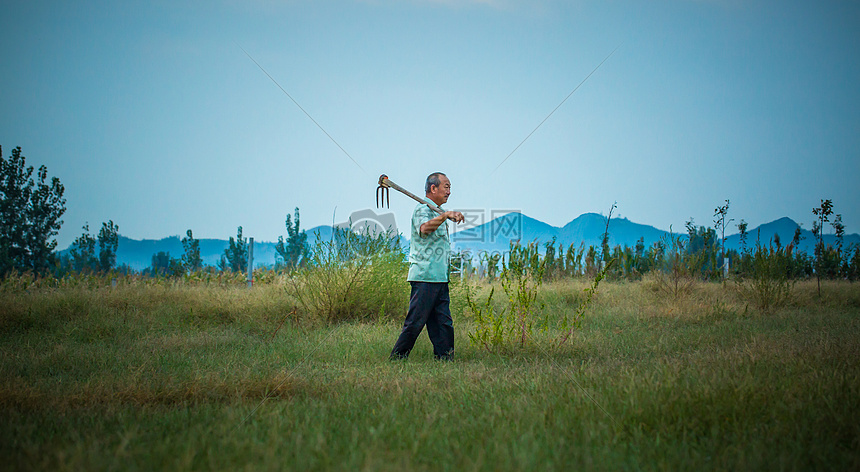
x=235, y=256
x=30, y=214
x=83, y=252
x=798, y=237
x=822, y=214
x=108, y=245
x=573, y=262
x=742, y=228
x=163, y=264
x=550, y=260
x=191, y=260
x=839, y=231
x=641, y=263
x=720, y=223
x=295, y=252
x=701, y=249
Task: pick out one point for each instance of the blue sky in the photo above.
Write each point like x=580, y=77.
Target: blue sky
x=152, y=116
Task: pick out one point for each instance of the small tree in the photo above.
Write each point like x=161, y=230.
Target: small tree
x=550, y=260
x=573, y=259
x=191, y=260
x=640, y=263
x=164, y=264
x=108, y=245
x=235, y=256
x=83, y=252
x=768, y=285
x=701, y=251
x=295, y=252
x=676, y=270
x=822, y=214
x=720, y=223
x=797, y=261
x=742, y=228
x=839, y=231
x=853, y=262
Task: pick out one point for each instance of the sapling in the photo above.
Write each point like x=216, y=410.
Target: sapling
x=822, y=214
x=720, y=223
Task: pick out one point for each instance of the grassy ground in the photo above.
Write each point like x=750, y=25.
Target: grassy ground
x=183, y=377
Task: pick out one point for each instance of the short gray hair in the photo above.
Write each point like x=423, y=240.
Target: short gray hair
x=433, y=179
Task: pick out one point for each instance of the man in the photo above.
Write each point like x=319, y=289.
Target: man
x=429, y=252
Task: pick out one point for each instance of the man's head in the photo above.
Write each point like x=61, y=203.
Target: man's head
x=437, y=187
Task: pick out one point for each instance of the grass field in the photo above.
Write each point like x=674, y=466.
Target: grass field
x=147, y=377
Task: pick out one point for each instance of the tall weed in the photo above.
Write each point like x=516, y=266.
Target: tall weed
x=678, y=273
x=513, y=325
x=521, y=279
x=351, y=277
x=769, y=286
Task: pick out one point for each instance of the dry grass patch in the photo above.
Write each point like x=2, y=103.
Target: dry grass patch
x=222, y=388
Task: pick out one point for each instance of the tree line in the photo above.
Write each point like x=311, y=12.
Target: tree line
x=31, y=207
x=700, y=254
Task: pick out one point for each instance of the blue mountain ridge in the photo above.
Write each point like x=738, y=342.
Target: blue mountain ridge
x=496, y=235
x=587, y=230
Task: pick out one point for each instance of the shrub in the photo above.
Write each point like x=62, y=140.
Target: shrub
x=678, y=269
x=514, y=324
x=352, y=277
x=521, y=278
x=769, y=285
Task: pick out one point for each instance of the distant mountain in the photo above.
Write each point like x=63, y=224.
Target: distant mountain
x=495, y=235
x=785, y=228
x=588, y=230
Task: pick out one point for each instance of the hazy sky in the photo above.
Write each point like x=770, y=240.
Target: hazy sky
x=152, y=116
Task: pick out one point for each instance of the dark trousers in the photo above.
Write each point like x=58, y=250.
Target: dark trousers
x=429, y=304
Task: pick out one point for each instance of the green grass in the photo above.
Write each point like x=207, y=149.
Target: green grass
x=190, y=377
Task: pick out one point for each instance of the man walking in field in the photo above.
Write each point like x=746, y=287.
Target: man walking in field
x=429, y=253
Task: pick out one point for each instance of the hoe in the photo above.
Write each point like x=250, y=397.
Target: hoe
x=383, y=196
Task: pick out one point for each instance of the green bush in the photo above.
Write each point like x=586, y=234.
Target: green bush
x=521, y=279
x=352, y=277
x=679, y=268
x=769, y=284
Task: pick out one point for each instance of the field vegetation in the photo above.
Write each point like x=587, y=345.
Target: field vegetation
x=660, y=358
x=133, y=372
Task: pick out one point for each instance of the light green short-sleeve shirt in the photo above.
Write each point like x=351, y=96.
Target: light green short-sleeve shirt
x=428, y=254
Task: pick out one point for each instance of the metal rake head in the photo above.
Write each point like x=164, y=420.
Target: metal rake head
x=383, y=191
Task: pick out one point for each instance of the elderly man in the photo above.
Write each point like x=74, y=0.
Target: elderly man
x=429, y=252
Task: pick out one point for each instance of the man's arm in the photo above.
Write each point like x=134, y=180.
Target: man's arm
x=431, y=225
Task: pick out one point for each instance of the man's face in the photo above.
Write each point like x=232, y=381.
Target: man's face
x=439, y=193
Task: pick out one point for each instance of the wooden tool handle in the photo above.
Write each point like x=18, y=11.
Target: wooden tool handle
x=386, y=182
